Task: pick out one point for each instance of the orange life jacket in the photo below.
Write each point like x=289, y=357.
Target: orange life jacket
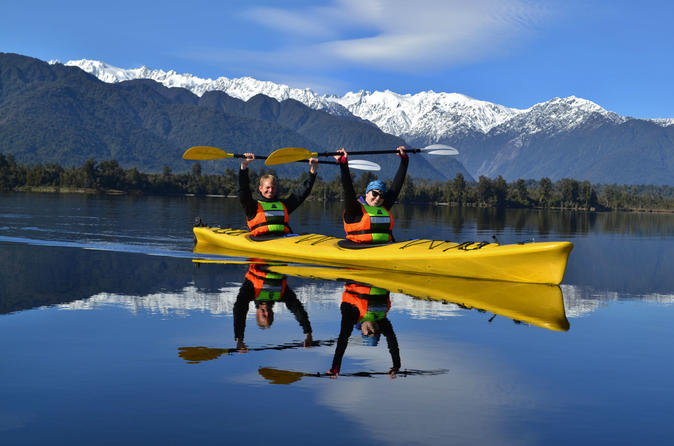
x=376, y=226
x=373, y=303
x=271, y=218
x=268, y=286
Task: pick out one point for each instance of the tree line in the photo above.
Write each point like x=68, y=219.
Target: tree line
x=567, y=193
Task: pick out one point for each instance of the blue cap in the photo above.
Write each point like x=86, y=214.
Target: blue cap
x=371, y=341
x=376, y=185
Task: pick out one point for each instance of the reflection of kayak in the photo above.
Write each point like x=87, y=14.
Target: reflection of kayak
x=535, y=304
x=530, y=263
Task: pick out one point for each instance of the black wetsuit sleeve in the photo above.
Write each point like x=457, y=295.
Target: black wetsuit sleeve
x=391, y=195
x=349, y=319
x=353, y=211
x=391, y=340
x=297, y=309
x=241, y=305
x=245, y=197
x=300, y=194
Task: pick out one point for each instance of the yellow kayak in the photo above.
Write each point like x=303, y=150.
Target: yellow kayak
x=535, y=304
x=530, y=263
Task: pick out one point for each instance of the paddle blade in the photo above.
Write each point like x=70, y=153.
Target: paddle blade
x=288, y=155
x=364, y=165
x=205, y=153
x=440, y=149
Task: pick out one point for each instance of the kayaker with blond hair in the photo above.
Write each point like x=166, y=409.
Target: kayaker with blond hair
x=267, y=216
x=265, y=289
x=367, y=219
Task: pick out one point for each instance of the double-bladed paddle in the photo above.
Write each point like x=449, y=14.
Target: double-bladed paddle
x=293, y=154
x=202, y=153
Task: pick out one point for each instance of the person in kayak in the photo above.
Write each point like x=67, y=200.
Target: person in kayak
x=268, y=215
x=367, y=219
x=366, y=308
x=265, y=289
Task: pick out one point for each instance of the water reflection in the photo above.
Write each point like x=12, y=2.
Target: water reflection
x=36, y=276
x=265, y=289
x=365, y=308
x=535, y=304
x=194, y=355
x=538, y=222
x=279, y=376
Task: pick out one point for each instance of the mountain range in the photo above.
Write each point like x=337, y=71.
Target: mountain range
x=563, y=137
x=53, y=113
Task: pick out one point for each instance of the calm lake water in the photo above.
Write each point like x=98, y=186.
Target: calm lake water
x=111, y=333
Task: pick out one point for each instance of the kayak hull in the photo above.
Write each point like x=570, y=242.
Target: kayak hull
x=529, y=263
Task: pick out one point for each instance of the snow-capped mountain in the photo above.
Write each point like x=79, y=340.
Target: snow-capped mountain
x=425, y=117
x=242, y=88
x=556, y=115
x=422, y=118
x=566, y=137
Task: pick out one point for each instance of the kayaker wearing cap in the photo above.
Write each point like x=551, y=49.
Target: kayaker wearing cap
x=268, y=215
x=366, y=308
x=265, y=289
x=367, y=219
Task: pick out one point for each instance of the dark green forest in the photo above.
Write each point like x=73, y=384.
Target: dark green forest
x=109, y=177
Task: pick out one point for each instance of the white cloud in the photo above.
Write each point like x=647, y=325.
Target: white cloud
x=394, y=34
x=289, y=22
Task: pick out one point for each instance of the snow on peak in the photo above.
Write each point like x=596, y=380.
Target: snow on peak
x=665, y=122
x=422, y=118
x=426, y=114
x=242, y=88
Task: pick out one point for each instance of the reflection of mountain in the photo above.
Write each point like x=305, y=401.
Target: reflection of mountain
x=192, y=299
x=636, y=266
x=582, y=300
x=182, y=302
x=33, y=276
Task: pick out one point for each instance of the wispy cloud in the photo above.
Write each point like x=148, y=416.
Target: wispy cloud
x=399, y=34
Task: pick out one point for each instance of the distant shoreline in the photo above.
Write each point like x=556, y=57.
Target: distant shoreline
x=116, y=192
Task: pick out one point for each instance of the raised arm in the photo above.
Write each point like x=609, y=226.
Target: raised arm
x=297, y=309
x=349, y=319
x=392, y=194
x=300, y=194
x=241, y=305
x=353, y=210
x=245, y=196
x=392, y=341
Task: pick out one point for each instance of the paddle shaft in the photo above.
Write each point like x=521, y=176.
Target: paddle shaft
x=368, y=152
x=262, y=157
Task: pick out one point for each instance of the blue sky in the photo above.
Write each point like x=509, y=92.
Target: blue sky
x=511, y=52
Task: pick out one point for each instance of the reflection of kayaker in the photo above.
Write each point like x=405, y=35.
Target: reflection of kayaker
x=365, y=308
x=269, y=215
x=265, y=288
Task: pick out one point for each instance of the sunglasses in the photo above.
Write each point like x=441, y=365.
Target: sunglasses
x=376, y=193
